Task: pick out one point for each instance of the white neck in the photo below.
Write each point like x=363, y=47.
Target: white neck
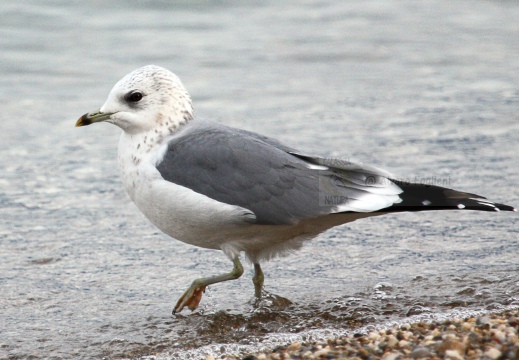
x=138, y=153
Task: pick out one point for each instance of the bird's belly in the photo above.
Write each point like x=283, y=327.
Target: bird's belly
x=198, y=220
x=189, y=216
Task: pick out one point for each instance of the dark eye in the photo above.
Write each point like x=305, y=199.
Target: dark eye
x=134, y=96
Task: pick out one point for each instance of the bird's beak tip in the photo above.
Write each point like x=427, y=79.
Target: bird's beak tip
x=83, y=121
x=92, y=117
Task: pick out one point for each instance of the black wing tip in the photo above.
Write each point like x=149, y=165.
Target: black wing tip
x=420, y=197
x=484, y=204
x=502, y=207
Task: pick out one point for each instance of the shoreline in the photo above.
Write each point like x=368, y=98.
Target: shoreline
x=491, y=336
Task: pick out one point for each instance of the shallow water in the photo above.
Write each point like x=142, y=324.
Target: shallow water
x=428, y=91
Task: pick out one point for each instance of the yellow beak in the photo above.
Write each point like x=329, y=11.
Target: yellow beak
x=93, y=117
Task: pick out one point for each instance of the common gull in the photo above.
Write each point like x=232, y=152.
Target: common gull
x=219, y=187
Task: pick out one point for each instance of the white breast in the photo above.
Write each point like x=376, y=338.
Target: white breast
x=176, y=210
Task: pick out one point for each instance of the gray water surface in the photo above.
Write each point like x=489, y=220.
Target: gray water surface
x=427, y=90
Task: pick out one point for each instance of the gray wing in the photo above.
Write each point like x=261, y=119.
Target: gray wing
x=270, y=179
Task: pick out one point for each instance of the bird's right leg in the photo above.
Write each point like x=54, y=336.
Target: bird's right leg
x=258, y=280
x=193, y=294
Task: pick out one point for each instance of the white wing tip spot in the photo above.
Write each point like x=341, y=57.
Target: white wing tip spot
x=317, y=167
x=426, y=202
x=461, y=206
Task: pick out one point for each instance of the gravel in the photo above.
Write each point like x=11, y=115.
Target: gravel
x=492, y=336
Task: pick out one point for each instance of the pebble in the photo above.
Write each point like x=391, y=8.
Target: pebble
x=391, y=356
x=421, y=352
x=482, y=320
x=493, y=353
x=321, y=353
x=453, y=354
x=511, y=353
x=403, y=343
x=451, y=344
x=513, y=321
x=294, y=347
x=466, y=326
x=307, y=355
x=492, y=336
x=391, y=341
x=373, y=336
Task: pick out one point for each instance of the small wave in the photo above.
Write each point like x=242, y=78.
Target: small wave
x=271, y=341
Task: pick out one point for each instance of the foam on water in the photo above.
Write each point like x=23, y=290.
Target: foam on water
x=271, y=341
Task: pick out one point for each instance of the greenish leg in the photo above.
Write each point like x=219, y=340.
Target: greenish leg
x=193, y=294
x=258, y=280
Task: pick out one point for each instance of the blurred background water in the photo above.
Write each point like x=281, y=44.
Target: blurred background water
x=428, y=90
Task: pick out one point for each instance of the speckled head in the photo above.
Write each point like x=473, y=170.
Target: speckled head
x=146, y=98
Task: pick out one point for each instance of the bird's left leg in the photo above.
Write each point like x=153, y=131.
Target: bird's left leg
x=258, y=280
x=193, y=294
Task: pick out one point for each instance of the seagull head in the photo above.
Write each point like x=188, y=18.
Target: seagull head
x=146, y=98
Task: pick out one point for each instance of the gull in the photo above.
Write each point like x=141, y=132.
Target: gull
x=218, y=187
